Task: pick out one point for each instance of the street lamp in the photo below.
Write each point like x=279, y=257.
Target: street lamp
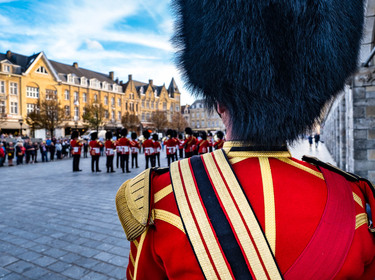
x=21, y=123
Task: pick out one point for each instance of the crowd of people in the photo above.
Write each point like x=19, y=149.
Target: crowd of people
x=125, y=150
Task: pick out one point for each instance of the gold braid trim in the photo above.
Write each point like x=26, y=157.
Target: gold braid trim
x=361, y=219
x=357, y=199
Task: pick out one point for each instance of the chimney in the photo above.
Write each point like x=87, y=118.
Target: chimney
x=75, y=65
x=130, y=77
x=9, y=54
x=151, y=82
x=111, y=75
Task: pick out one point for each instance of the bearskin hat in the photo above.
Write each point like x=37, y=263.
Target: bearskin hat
x=108, y=135
x=155, y=137
x=134, y=135
x=74, y=134
x=124, y=132
x=204, y=135
x=273, y=64
x=94, y=136
x=189, y=131
x=220, y=134
x=170, y=132
x=146, y=134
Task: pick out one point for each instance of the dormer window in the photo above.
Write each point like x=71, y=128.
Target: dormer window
x=41, y=70
x=70, y=78
x=141, y=90
x=94, y=83
x=84, y=82
x=6, y=68
x=105, y=86
x=156, y=93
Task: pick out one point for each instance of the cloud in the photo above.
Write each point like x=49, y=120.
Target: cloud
x=93, y=45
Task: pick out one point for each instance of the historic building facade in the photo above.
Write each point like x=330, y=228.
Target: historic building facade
x=25, y=79
x=201, y=119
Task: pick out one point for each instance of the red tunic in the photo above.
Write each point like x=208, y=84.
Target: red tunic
x=148, y=146
x=157, y=147
x=76, y=147
x=109, y=148
x=124, y=143
x=170, y=146
x=189, y=143
x=218, y=144
x=203, y=146
x=300, y=195
x=95, y=147
x=134, y=146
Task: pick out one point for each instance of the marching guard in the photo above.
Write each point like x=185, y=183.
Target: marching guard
x=134, y=147
x=95, y=146
x=124, y=147
x=219, y=143
x=170, y=145
x=148, y=147
x=250, y=210
x=75, y=145
x=109, y=151
x=189, y=142
x=157, y=149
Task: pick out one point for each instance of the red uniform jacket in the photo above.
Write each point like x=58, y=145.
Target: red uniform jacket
x=134, y=146
x=203, y=146
x=170, y=146
x=109, y=148
x=125, y=144
x=148, y=146
x=157, y=147
x=298, y=200
x=218, y=144
x=189, y=143
x=95, y=147
x=76, y=147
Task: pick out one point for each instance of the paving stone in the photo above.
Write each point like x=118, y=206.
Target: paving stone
x=103, y=256
x=14, y=276
x=3, y=272
x=59, y=266
x=119, y=261
x=55, y=253
x=95, y=276
x=7, y=259
x=44, y=261
x=53, y=276
x=20, y=266
x=36, y=273
x=75, y=272
x=30, y=256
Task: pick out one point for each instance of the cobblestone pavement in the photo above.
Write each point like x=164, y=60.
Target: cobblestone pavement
x=56, y=224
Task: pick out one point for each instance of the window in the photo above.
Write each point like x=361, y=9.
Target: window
x=119, y=102
x=76, y=113
x=30, y=107
x=119, y=116
x=202, y=123
x=67, y=110
x=164, y=106
x=83, y=82
x=131, y=96
x=147, y=105
x=41, y=70
x=2, y=107
x=106, y=100
x=113, y=101
x=32, y=92
x=193, y=123
x=95, y=97
x=13, y=88
x=83, y=111
x=6, y=68
x=14, y=107
x=2, y=86
x=131, y=107
x=104, y=86
x=51, y=94
x=143, y=103
x=126, y=106
x=152, y=105
x=137, y=107
x=106, y=114
x=66, y=94
x=143, y=117
x=94, y=83
x=84, y=97
x=177, y=108
x=76, y=96
x=70, y=78
x=148, y=117
x=113, y=115
x=141, y=90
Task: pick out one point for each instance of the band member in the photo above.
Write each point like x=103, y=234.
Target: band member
x=109, y=151
x=124, y=147
x=250, y=210
x=180, y=146
x=75, y=145
x=189, y=142
x=134, y=147
x=210, y=142
x=170, y=145
x=118, y=152
x=148, y=147
x=176, y=144
x=203, y=144
x=95, y=146
x=157, y=149
x=219, y=142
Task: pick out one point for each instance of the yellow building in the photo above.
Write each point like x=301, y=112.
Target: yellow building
x=201, y=119
x=25, y=79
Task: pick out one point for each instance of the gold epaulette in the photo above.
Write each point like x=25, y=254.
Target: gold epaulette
x=349, y=176
x=133, y=205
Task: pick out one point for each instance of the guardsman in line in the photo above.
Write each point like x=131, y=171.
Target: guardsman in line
x=189, y=142
x=75, y=145
x=203, y=144
x=109, y=151
x=180, y=141
x=219, y=143
x=250, y=210
x=95, y=146
x=118, y=152
x=176, y=144
x=157, y=149
x=148, y=147
x=124, y=145
x=210, y=142
x=170, y=145
x=134, y=147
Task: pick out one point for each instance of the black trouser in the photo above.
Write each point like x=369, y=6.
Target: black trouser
x=181, y=153
x=157, y=157
x=188, y=154
x=135, y=158
x=170, y=159
x=95, y=159
x=118, y=156
x=27, y=157
x=76, y=162
x=109, y=163
x=125, y=162
x=149, y=158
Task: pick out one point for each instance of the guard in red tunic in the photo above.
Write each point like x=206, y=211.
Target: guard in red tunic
x=157, y=149
x=203, y=144
x=109, y=151
x=220, y=142
x=124, y=147
x=148, y=147
x=170, y=147
x=75, y=145
x=250, y=210
x=134, y=148
x=95, y=146
x=189, y=143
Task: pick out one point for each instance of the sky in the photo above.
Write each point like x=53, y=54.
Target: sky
x=124, y=36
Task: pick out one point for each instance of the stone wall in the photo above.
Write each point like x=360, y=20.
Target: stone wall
x=349, y=127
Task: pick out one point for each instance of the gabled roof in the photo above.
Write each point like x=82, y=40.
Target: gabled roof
x=173, y=88
x=19, y=59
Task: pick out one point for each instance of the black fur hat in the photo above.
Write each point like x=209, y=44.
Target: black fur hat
x=189, y=131
x=204, y=135
x=220, y=134
x=134, y=135
x=108, y=135
x=170, y=132
x=94, y=136
x=146, y=134
x=272, y=63
x=124, y=132
x=74, y=134
x=155, y=137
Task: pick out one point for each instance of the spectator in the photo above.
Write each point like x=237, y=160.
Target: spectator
x=43, y=151
x=10, y=153
x=2, y=154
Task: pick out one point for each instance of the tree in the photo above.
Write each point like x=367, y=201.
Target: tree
x=94, y=115
x=130, y=121
x=159, y=119
x=178, y=122
x=47, y=114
